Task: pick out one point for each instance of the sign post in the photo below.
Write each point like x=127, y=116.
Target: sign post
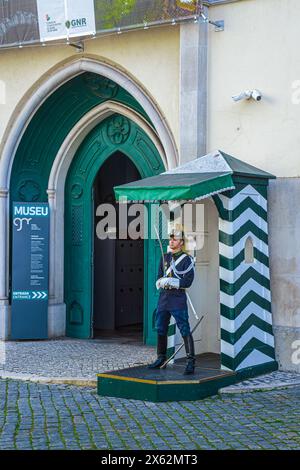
x=30, y=271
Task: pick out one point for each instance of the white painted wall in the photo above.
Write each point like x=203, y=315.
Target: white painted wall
x=258, y=49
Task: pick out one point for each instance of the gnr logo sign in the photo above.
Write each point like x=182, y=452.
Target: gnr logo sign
x=76, y=23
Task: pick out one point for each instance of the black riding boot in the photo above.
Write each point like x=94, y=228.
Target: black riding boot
x=190, y=354
x=161, y=352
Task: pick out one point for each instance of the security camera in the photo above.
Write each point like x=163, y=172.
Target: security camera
x=256, y=95
x=247, y=94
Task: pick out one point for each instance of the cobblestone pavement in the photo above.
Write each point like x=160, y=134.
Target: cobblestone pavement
x=38, y=416
x=78, y=362
x=70, y=358
x=278, y=379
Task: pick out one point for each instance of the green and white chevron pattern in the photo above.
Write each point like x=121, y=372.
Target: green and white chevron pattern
x=246, y=322
x=171, y=338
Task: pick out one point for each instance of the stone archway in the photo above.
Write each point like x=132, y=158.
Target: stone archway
x=115, y=133
x=56, y=195
x=15, y=140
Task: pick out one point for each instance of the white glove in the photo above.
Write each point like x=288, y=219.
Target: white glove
x=172, y=283
x=158, y=286
x=163, y=282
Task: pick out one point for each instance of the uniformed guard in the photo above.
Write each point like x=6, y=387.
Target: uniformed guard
x=174, y=277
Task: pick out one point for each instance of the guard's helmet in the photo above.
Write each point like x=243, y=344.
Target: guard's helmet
x=177, y=234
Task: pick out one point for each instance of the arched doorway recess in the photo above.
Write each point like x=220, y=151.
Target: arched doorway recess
x=35, y=170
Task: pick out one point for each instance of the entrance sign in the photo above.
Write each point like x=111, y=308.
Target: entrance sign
x=30, y=266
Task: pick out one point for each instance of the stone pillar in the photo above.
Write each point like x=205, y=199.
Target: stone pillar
x=193, y=90
x=4, y=302
x=51, y=201
x=284, y=225
x=57, y=308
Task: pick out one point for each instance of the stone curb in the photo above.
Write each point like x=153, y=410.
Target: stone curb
x=79, y=382
x=86, y=382
x=258, y=388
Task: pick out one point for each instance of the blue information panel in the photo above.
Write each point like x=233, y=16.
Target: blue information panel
x=30, y=271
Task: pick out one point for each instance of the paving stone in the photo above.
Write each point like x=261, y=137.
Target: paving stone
x=80, y=360
x=71, y=358
x=277, y=379
x=77, y=418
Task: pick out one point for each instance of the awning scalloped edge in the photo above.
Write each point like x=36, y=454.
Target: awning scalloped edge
x=182, y=201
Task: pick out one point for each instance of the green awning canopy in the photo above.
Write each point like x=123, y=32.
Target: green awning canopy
x=197, y=179
x=170, y=187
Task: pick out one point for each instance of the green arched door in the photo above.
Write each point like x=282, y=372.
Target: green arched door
x=116, y=133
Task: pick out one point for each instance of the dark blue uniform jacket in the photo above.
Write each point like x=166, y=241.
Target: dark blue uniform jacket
x=175, y=299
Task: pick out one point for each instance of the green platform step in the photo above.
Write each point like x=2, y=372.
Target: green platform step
x=140, y=383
